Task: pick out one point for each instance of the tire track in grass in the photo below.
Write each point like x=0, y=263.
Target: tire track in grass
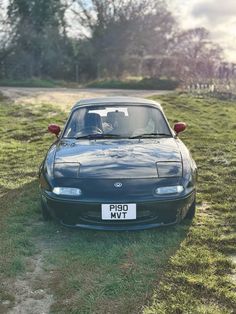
x=31, y=293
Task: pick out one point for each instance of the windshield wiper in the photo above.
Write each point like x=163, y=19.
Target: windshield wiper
x=89, y=136
x=110, y=135
x=98, y=136
x=151, y=135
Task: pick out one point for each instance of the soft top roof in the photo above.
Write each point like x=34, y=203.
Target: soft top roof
x=114, y=100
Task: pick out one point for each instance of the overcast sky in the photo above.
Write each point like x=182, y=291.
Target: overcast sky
x=219, y=16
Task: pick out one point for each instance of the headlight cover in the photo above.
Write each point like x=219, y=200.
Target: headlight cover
x=67, y=191
x=66, y=170
x=163, y=190
x=169, y=169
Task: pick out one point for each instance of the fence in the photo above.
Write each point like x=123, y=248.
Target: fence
x=220, y=89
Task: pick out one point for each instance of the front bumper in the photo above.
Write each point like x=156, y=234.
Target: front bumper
x=150, y=213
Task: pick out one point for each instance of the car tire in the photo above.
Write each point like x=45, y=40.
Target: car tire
x=191, y=212
x=45, y=213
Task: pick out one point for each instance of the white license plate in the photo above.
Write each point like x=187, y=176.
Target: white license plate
x=118, y=211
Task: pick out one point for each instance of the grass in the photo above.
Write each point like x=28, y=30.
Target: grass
x=39, y=82
x=145, y=83
x=23, y=142
x=29, y=83
x=197, y=279
x=182, y=269
x=102, y=272
x=130, y=83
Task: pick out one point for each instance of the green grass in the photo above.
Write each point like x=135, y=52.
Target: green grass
x=29, y=83
x=145, y=83
x=23, y=142
x=197, y=279
x=39, y=82
x=182, y=269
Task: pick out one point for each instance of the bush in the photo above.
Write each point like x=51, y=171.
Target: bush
x=146, y=83
x=27, y=83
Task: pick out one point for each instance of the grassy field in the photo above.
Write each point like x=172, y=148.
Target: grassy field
x=182, y=269
x=144, y=83
x=29, y=83
x=129, y=83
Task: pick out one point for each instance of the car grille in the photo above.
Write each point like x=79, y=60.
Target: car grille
x=143, y=216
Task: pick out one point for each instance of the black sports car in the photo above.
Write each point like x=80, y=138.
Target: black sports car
x=118, y=165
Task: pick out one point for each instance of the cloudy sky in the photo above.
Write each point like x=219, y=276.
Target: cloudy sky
x=219, y=16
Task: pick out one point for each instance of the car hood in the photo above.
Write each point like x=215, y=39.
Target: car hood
x=132, y=158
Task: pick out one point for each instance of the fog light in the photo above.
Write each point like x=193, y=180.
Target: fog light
x=169, y=189
x=67, y=191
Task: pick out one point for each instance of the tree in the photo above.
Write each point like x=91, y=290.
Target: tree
x=195, y=55
x=5, y=40
x=39, y=37
x=117, y=38
x=125, y=31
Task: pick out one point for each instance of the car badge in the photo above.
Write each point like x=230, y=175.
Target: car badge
x=118, y=185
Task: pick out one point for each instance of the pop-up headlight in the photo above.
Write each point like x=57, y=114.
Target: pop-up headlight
x=169, y=169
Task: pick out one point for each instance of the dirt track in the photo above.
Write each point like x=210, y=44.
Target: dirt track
x=66, y=97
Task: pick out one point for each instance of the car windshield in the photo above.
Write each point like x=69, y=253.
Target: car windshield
x=116, y=121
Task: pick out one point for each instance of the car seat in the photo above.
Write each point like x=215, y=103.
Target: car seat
x=92, y=120
x=117, y=120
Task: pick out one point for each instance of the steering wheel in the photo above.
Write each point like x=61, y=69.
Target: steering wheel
x=89, y=130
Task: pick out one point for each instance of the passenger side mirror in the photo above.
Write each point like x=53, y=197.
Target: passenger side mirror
x=179, y=127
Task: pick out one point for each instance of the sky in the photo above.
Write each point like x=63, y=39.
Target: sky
x=218, y=16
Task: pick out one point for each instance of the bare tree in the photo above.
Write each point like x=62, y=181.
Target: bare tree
x=125, y=31
x=195, y=55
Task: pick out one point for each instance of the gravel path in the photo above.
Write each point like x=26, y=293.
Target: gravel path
x=66, y=97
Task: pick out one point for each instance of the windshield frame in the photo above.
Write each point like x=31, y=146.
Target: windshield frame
x=114, y=104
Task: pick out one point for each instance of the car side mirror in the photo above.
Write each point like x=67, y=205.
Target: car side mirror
x=54, y=128
x=179, y=127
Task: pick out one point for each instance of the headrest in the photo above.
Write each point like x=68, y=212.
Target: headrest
x=93, y=119
x=115, y=116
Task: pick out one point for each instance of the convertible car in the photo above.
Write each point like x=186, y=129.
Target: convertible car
x=117, y=165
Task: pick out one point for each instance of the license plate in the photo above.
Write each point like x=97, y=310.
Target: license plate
x=118, y=211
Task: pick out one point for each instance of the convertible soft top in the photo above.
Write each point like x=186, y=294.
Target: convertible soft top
x=131, y=100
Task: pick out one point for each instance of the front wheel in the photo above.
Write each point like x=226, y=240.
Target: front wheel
x=191, y=212
x=45, y=213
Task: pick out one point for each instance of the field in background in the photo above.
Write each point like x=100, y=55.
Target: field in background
x=182, y=269
x=141, y=83
x=29, y=83
x=129, y=83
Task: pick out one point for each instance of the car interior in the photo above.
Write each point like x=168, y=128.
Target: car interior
x=123, y=121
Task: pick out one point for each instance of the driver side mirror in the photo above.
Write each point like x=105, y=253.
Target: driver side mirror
x=179, y=127
x=55, y=129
